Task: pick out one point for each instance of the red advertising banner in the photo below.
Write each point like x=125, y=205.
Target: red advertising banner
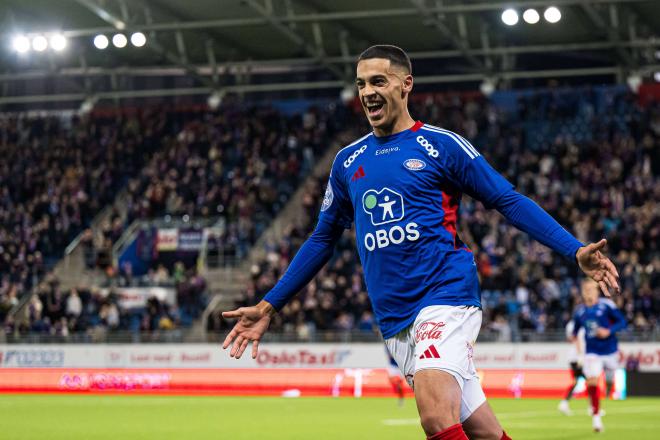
x=273, y=381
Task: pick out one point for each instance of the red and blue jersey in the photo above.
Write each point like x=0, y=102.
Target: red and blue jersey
x=403, y=193
x=603, y=314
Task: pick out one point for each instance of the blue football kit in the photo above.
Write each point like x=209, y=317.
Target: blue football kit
x=602, y=314
x=403, y=193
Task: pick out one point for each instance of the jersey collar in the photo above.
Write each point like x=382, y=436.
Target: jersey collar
x=399, y=135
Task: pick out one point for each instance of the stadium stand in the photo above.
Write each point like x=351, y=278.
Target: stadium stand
x=190, y=161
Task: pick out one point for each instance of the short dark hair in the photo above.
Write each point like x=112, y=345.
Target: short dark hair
x=395, y=54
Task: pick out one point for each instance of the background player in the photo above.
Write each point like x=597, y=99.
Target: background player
x=396, y=378
x=421, y=279
x=575, y=361
x=601, y=319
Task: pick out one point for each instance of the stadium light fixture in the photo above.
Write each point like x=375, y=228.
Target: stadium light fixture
x=119, y=40
x=58, y=42
x=552, y=15
x=21, y=43
x=510, y=17
x=656, y=76
x=531, y=16
x=39, y=43
x=138, y=39
x=101, y=41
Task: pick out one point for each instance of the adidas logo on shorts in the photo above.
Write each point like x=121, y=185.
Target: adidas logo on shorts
x=430, y=353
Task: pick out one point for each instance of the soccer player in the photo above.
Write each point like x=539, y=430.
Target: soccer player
x=601, y=319
x=575, y=360
x=401, y=185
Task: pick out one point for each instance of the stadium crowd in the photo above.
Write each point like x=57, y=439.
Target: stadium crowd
x=58, y=173
x=120, y=303
x=595, y=169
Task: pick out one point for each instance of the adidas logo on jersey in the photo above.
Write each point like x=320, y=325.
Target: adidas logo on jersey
x=358, y=174
x=430, y=353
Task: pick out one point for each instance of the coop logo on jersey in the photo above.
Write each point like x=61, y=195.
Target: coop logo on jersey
x=414, y=164
x=327, y=198
x=384, y=206
x=421, y=140
x=352, y=157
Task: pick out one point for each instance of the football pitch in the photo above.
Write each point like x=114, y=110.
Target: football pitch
x=118, y=417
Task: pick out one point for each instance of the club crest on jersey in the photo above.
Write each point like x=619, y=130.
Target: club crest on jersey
x=414, y=164
x=384, y=206
x=327, y=198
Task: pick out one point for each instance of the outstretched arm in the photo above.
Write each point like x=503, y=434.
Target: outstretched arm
x=253, y=321
x=472, y=174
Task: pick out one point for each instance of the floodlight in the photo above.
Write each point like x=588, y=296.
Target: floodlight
x=552, y=15
x=119, y=40
x=138, y=39
x=39, y=43
x=21, y=44
x=58, y=42
x=531, y=16
x=510, y=17
x=101, y=41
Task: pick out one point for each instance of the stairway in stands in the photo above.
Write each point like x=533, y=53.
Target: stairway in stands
x=227, y=285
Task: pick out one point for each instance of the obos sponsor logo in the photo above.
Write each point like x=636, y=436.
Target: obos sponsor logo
x=414, y=164
x=327, y=198
x=429, y=330
x=352, y=157
x=427, y=146
x=383, y=207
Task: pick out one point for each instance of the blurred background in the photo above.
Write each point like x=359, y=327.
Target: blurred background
x=163, y=161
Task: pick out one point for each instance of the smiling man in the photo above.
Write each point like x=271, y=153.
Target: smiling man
x=401, y=185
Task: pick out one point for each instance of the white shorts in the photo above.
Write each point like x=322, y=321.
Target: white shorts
x=442, y=338
x=594, y=364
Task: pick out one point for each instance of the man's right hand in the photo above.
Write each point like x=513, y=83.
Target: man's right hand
x=252, y=324
x=603, y=333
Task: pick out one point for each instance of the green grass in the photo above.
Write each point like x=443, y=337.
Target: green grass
x=55, y=417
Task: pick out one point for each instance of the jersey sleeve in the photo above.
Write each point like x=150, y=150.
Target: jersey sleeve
x=618, y=321
x=577, y=323
x=312, y=256
x=336, y=208
x=472, y=174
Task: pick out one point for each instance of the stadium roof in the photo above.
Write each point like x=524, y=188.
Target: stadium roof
x=198, y=46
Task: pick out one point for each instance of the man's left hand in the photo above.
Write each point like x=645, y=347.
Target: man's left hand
x=598, y=267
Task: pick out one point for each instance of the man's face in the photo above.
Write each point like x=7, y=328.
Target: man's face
x=590, y=293
x=382, y=89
